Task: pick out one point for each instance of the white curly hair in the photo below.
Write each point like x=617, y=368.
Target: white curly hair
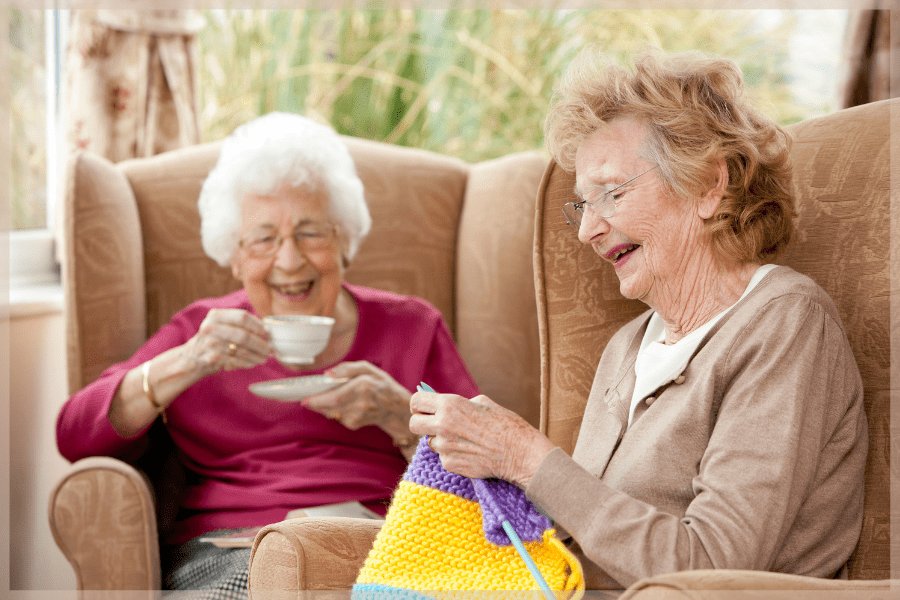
x=268, y=152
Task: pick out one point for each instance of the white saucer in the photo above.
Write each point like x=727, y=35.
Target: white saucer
x=294, y=389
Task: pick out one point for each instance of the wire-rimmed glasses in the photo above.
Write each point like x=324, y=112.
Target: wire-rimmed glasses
x=605, y=206
x=307, y=238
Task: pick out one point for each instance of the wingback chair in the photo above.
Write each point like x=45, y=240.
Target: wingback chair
x=842, y=166
x=457, y=234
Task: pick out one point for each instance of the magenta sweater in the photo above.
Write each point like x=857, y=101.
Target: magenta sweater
x=250, y=460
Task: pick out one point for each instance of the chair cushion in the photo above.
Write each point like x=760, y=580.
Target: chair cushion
x=842, y=181
x=178, y=271
x=102, y=265
x=751, y=585
x=496, y=327
x=579, y=309
x=415, y=198
x=310, y=553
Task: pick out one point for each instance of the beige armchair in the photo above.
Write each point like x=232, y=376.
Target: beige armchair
x=455, y=233
x=842, y=177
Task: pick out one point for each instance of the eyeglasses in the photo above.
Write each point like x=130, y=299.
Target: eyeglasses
x=307, y=238
x=605, y=206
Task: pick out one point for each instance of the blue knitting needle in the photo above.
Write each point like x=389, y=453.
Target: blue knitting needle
x=513, y=536
x=520, y=548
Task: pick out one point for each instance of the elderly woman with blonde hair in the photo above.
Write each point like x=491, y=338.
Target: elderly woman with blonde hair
x=725, y=425
x=285, y=210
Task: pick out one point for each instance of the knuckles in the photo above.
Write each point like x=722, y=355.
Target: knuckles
x=206, y=327
x=455, y=403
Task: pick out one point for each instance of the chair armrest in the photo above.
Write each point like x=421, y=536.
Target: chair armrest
x=310, y=553
x=102, y=517
x=708, y=584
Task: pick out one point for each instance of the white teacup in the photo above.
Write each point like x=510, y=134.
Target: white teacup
x=298, y=339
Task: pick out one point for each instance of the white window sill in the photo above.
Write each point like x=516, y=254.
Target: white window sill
x=34, y=286
x=35, y=300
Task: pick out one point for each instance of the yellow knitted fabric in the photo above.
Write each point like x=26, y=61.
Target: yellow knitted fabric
x=433, y=540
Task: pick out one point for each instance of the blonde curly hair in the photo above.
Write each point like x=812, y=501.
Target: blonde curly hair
x=697, y=113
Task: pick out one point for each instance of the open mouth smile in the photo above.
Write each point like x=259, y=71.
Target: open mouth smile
x=619, y=255
x=294, y=291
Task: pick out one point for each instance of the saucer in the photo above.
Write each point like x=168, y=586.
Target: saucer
x=294, y=389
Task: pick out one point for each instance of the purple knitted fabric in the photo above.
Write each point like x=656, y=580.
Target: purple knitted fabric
x=425, y=469
x=499, y=499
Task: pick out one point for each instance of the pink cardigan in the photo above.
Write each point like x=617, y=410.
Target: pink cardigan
x=249, y=459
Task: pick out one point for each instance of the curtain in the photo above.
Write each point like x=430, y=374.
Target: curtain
x=130, y=81
x=865, y=73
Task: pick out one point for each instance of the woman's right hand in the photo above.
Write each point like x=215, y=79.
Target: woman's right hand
x=478, y=438
x=228, y=339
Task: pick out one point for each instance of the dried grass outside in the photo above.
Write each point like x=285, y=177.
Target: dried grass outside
x=474, y=84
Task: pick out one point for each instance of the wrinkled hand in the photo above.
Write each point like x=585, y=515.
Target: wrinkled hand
x=370, y=397
x=228, y=339
x=478, y=437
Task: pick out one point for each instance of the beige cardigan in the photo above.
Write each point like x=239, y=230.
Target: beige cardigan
x=754, y=461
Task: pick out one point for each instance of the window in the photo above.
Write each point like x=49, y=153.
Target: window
x=477, y=84
x=36, y=43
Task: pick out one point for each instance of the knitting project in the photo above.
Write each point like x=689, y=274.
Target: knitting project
x=443, y=534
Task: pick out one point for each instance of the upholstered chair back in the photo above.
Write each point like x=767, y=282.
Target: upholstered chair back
x=842, y=182
x=457, y=234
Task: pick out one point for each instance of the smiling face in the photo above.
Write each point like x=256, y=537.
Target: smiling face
x=293, y=280
x=653, y=241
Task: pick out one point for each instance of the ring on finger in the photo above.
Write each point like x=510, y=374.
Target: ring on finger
x=232, y=348
x=335, y=415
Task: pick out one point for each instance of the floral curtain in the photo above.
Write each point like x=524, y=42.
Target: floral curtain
x=865, y=73
x=130, y=81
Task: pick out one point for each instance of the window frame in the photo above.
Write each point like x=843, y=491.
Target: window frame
x=32, y=252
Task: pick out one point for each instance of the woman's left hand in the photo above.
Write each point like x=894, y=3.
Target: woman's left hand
x=370, y=397
x=478, y=437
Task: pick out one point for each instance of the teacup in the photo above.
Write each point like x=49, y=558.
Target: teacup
x=298, y=339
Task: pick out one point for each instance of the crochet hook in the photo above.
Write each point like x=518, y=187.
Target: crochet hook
x=514, y=537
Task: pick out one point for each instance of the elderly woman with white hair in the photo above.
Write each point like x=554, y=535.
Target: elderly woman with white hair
x=284, y=208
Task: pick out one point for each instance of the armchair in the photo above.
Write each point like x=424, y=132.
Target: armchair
x=457, y=234
x=842, y=177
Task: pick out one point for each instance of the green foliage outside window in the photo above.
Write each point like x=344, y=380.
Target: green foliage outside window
x=28, y=154
x=475, y=84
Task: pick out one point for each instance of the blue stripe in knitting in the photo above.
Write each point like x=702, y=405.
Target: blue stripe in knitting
x=372, y=591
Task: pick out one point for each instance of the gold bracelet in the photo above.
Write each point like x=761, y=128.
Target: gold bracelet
x=148, y=390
